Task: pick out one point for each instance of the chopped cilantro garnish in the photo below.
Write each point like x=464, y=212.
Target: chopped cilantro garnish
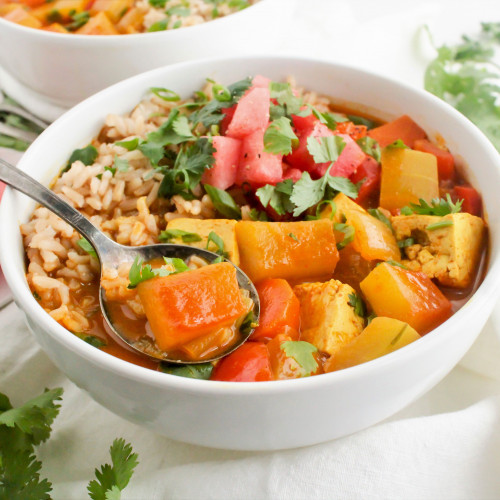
x=165, y=94
x=439, y=225
x=357, y=303
x=291, y=235
x=112, y=479
x=85, y=245
x=37, y=296
x=394, y=263
x=279, y=137
x=120, y=164
x=439, y=207
x=287, y=103
x=167, y=133
x=159, y=4
x=223, y=202
x=258, y=215
x=159, y=25
x=91, y=339
x=140, y=272
x=360, y=120
x=54, y=16
x=370, y=318
x=327, y=118
x=348, y=234
x=109, y=169
x=201, y=371
x=378, y=214
x=86, y=155
x=177, y=24
x=211, y=113
x=171, y=234
x=370, y=147
x=239, y=4
x=277, y=197
x=178, y=10
x=303, y=353
x=129, y=145
x=325, y=149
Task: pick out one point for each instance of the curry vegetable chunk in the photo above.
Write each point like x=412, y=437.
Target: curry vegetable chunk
x=450, y=253
x=327, y=319
x=380, y=337
x=225, y=228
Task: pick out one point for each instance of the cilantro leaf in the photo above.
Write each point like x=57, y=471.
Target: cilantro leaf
x=172, y=234
x=153, y=146
x=278, y=197
x=187, y=170
x=140, y=272
x=439, y=225
x=398, y=144
x=439, y=207
x=302, y=352
x=407, y=242
x=211, y=113
x=178, y=265
x=357, y=303
x=87, y=247
x=35, y=417
x=86, y=155
x=307, y=193
x=121, y=164
x=112, y=479
x=201, y=371
x=325, y=149
x=279, y=137
x=287, y=103
x=343, y=185
x=466, y=76
x=361, y=120
x=223, y=202
x=258, y=215
x=370, y=147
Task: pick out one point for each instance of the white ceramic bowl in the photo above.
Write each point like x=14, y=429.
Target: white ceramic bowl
x=262, y=415
x=65, y=69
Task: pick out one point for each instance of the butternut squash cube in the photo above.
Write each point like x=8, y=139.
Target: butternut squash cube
x=296, y=251
x=380, y=337
x=189, y=305
x=22, y=17
x=132, y=21
x=115, y=9
x=98, y=25
x=407, y=176
x=406, y=295
x=327, y=319
x=372, y=238
x=224, y=228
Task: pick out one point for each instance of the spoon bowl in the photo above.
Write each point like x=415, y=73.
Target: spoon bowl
x=112, y=254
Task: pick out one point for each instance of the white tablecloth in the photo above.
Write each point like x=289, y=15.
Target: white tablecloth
x=446, y=445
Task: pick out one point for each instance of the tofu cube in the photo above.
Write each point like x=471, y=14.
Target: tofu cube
x=225, y=228
x=327, y=319
x=449, y=254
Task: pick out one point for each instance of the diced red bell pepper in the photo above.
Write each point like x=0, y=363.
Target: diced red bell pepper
x=445, y=160
x=472, y=199
x=369, y=170
x=354, y=131
x=403, y=128
x=279, y=308
x=249, y=363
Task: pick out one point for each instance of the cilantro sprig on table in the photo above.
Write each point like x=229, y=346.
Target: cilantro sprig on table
x=25, y=427
x=466, y=76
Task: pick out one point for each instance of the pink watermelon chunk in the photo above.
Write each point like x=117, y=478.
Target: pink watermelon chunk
x=261, y=82
x=300, y=158
x=347, y=163
x=257, y=167
x=227, y=155
x=302, y=123
x=252, y=113
x=292, y=173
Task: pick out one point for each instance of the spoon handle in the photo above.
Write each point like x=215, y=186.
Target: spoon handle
x=22, y=182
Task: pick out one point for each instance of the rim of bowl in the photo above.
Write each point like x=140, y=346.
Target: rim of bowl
x=113, y=39
x=487, y=292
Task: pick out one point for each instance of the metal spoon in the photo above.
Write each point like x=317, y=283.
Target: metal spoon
x=112, y=254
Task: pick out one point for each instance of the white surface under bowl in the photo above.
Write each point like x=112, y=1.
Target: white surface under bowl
x=65, y=69
x=262, y=415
